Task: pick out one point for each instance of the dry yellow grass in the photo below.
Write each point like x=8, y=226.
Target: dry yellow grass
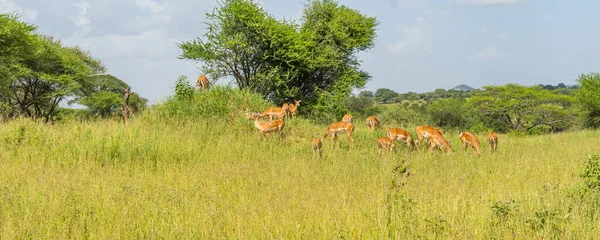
x=204, y=180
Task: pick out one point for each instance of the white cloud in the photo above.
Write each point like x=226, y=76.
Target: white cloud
x=8, y=6
x=490, y=53
x=502, y=36
x=81, y=21
x=489, y=2
x=412, y=36
x=154, y=7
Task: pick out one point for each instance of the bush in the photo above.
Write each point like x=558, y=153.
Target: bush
x=452, y=113
x=404, y=116
x=591, y=172
x=183, y=89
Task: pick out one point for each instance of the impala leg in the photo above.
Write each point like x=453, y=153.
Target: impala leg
x=351, y=139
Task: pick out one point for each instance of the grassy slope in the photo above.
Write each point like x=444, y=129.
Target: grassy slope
x=203, y=179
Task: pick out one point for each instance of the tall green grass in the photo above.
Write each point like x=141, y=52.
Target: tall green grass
x=179, y=171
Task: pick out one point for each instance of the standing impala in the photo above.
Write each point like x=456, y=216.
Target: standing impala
x=347, y=118
x=372, y=123
x=339, y=127
x=493, y=141
x=384, y=143
x=437, y=141
x=469, y=139
x=268, y=127
x=422, y=129
x=400, y=135
x=202, y=82
x=316, y=147
x=274, y=111
x=294, y=107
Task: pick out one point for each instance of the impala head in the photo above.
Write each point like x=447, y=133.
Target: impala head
x=297, y=102
x=255, y=115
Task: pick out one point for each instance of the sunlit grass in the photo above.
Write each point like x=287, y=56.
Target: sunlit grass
x=221, y=179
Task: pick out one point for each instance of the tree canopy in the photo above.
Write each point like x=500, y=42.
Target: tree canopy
x=37, y=72
x=315, y=61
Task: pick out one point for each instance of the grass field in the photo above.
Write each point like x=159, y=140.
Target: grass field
x=207, y=179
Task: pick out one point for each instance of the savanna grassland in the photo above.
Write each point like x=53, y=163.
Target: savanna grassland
x=169, y=177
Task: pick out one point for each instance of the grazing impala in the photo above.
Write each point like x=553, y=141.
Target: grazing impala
x=347, y=118
x=383, y=143
x=268, y=127
x=339, y=127
x=203, y=82
x=422, y=129
x=437, y=141
x=274, y=111
x=493, y=141
x=469, y=139
x=372, y=123
x=316, y=146
x=294, y=107
x=400, y=135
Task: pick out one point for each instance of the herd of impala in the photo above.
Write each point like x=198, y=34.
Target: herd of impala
x=387, y=143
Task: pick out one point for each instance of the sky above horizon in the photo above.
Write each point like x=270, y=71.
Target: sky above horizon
x=421, y=44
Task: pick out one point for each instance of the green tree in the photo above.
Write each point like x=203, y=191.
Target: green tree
x=452, y=113
x=367, y=94
x=589, y=97
x=315, y=61
x=523, y=108
x=103, y=96
x=385, y=94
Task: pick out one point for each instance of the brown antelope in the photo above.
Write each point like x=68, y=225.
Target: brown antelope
x=203, y=82
x=347, y=118
x=422, y=129
x=316, y=146
x=400, y=135
x=372, y=123
x=273, y=111
x=286, y=108
x=339, y=127
x=294, y=107
x=469, y=139
x=126, y=110
x=268, y=127
x=436, y=140
x=493, y=141
x=383, y=143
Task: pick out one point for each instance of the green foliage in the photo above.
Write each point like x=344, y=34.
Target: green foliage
x=521, y=108
x=361, y=106
x=404, y=116
x=217, y=104
x=452, y=113
x=315, y=62
x=591, y=172
x=589, y=97
x=183, y=89
x=104, y=96
x=367, y=94
x=38, y=72
x=384, y=95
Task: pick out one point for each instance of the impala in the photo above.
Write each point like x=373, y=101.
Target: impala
x=400, y=135
x=202, y=82
x=372, y=123
x=268, y=127
x=469, y=139
x=316, y=146
x=274, y=111
x=437, y=141
x=493, y=141
x=347, y=118
x=383, y=143
x=286, y=108
x=294, y=107
x=422, y=129
x=339, y=127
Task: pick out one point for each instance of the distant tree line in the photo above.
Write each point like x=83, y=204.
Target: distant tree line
x=38, y=73
x=508, y=108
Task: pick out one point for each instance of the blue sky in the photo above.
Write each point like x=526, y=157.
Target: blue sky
x=421, y=45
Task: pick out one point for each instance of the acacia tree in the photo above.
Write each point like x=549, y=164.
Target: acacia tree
x=522, y=108
x=103, y=96
x=589, y=97
x=315, y=61
x=37, y=72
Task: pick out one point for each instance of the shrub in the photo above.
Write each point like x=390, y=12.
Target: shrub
x=591, y=172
